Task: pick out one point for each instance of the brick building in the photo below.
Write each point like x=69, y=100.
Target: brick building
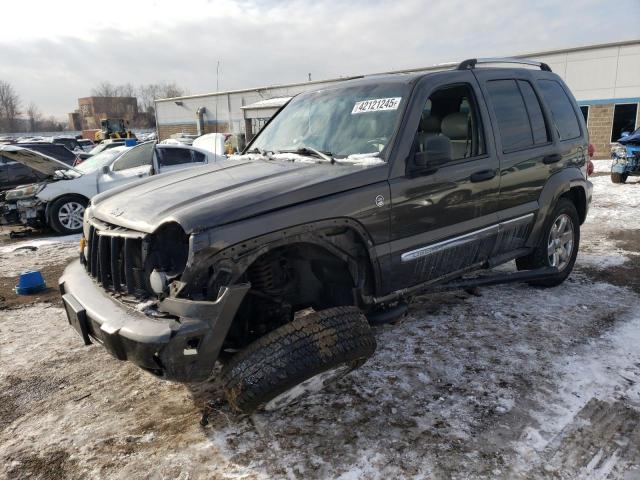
x=605, y=80
x=93, y=109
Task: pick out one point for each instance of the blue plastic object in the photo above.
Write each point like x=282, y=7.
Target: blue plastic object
x=30, y=282
x=130, y=142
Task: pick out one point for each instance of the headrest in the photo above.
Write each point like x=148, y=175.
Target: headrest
x=456, y=126
x=430, y=124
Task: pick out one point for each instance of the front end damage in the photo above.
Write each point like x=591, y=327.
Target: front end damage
x=32, y=212
x=125, y=293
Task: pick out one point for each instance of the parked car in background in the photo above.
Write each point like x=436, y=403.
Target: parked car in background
x=13, y=173
x=626, y=157
x=54, y=150
x=70, y=142
x=85, y=144
x=100, y=147
x=59, y=200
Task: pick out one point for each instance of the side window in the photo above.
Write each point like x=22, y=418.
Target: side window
x=561, y=108
x=509, y=108
x=136, y=157
x=198, y=157
x=452, y=112
x=173, y=156
x=538, y=127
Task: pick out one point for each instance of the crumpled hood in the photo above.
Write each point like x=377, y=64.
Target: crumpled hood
x=203, y=197
x=38, y=161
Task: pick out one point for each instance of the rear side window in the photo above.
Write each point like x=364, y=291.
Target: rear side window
x=510, y=110
x=538, y=127
x=173, y=156
x=564, y=117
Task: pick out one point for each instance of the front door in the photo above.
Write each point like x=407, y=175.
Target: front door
x=444, y=221
x=132, y=165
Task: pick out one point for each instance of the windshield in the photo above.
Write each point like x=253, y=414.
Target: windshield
x=96, y=162
x=344, y=121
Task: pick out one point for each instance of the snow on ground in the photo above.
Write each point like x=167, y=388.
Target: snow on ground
x=515, y=383
x=36, y=254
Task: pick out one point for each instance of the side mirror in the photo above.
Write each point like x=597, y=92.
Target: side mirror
x=105, y=169
x=437, y=152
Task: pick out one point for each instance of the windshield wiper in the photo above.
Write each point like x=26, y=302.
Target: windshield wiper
x=310, y=151
x=264, y=153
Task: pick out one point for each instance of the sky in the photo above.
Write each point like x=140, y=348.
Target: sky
x=54, y=52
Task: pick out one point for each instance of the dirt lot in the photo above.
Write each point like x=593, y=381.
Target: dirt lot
x=517, y=382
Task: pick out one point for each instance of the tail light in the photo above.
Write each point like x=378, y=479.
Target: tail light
x=590, y=168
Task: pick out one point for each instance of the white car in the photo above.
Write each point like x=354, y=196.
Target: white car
x=60, y=200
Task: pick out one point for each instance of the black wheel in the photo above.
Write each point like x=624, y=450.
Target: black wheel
x=558, y=246
x=618, y=177
x=297, y=359
x=66, y=214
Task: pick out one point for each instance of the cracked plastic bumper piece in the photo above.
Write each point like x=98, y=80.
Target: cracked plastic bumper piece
x=182, y=349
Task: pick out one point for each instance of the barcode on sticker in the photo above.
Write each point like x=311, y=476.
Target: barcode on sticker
x=376, y=104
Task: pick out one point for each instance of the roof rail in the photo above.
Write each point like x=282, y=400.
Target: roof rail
x=472, y=62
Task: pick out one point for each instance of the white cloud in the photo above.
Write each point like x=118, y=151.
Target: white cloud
x=66, y=48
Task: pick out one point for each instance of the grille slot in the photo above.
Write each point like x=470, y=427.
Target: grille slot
x=115, y=258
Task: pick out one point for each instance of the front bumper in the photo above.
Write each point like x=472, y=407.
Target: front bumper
x=183, y=348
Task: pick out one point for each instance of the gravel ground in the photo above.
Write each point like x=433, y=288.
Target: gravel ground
x=515, y=382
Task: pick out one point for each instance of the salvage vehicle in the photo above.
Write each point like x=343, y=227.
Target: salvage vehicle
x=100, y=147
x=626, y=157
x=59, y=201
x=13, y=173
x=350, y=200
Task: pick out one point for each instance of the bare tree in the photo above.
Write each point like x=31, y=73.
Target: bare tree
x=169, y=90
x=34, y=116
x=104, y=89
x=125, y=90
x=9, y=107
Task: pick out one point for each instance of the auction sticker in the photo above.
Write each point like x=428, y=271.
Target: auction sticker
x=376, y=105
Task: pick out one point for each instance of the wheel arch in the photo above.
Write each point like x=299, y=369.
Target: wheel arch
x=330, y=264
x=569, y=183
x=48, y=211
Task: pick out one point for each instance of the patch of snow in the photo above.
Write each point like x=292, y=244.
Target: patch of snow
x=39, y=242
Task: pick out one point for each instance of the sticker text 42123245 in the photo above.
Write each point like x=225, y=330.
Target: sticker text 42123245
x=376, y=105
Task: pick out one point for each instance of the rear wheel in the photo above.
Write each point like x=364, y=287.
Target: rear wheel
x=558, y=246
x=66, y=214
x=619, y=177
x=297, y=359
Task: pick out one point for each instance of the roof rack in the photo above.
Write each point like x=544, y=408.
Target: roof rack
x=472, y=62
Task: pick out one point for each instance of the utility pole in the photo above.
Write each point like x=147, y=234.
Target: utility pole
x=217, y=90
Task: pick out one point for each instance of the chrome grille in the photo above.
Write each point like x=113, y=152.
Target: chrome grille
x=115, y=258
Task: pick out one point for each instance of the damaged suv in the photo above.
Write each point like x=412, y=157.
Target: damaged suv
x=351, y=200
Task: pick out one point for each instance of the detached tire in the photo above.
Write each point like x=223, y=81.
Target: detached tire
x=558, y=246
x=618, y=177
x=297, y=359
x=66, y=214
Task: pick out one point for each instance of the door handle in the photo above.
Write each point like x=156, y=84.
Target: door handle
x=483, y=175
x=553, y=158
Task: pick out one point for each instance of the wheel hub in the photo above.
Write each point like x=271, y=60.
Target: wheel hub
x=560, y=243
x=70, y=215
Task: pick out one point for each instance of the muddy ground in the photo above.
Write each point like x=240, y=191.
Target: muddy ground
x=517, y=382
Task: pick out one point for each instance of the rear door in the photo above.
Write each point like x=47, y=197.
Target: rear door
x=525, y=147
